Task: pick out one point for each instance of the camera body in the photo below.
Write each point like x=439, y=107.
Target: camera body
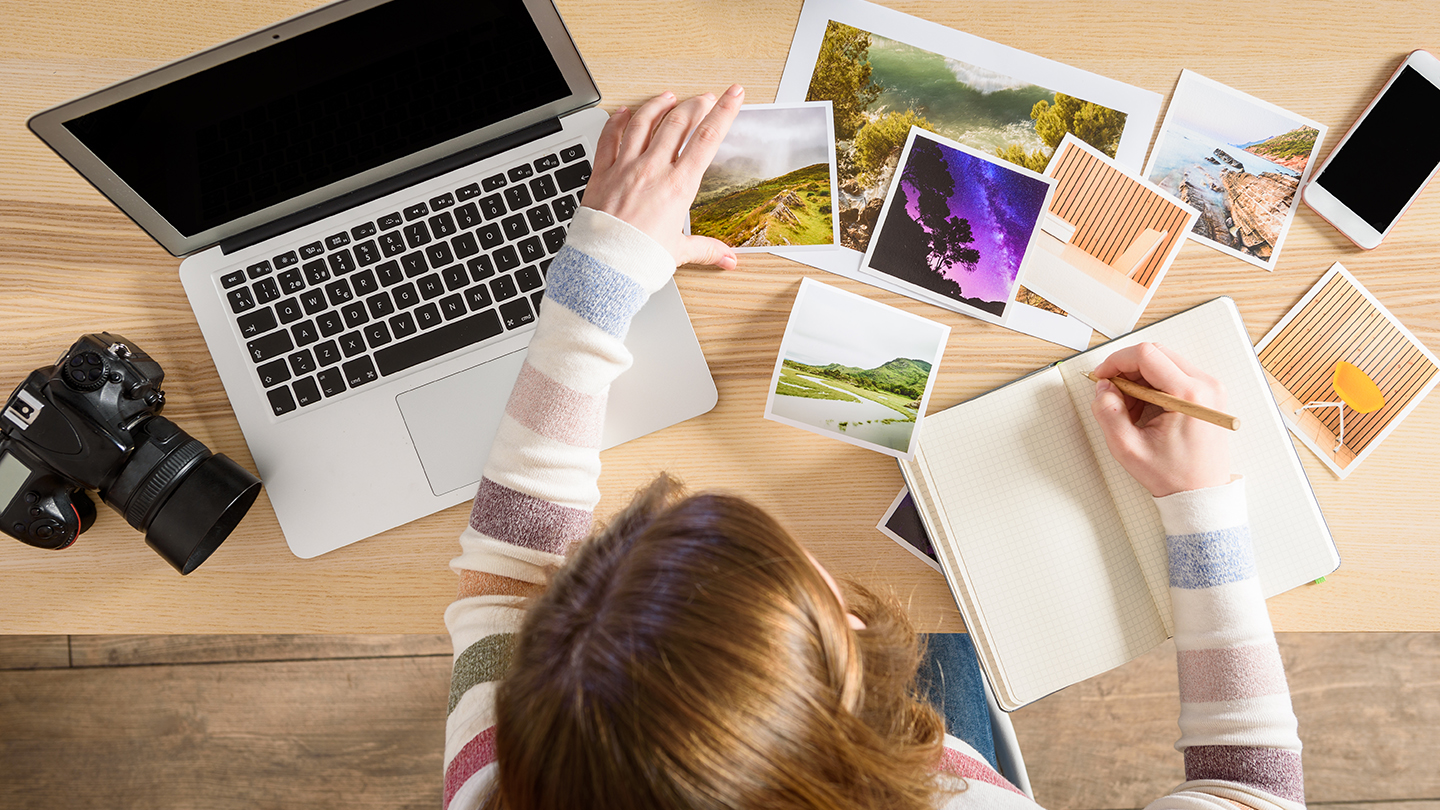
x=91, y=422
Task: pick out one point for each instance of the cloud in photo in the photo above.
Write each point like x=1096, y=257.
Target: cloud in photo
x=777, y=140
x=837, y=328
x=1225, y=115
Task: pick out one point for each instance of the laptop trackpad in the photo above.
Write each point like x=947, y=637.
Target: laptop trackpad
x=453, y=420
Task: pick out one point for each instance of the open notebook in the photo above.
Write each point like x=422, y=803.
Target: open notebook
x=1056, y=556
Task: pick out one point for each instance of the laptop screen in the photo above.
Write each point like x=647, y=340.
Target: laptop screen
x=321, y=106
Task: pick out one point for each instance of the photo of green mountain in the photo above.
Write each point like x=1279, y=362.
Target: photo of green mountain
x=771, y=182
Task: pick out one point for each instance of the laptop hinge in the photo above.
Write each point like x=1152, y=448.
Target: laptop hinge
x=376, y=190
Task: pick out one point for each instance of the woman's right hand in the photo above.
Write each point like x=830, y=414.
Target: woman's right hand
x=1166, y=452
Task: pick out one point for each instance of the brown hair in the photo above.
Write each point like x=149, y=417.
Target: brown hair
x=691, y=655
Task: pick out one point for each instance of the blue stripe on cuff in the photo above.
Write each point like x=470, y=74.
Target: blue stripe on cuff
x=1208, y=559
x=594, y=290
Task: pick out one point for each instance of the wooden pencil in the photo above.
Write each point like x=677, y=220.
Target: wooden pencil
x=1171, y=403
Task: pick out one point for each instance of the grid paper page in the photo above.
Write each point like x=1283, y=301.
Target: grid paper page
x=1039, y=546
x=1292, y=543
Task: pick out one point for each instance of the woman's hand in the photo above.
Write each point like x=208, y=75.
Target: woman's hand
x=641, y=176
x=1166, y=452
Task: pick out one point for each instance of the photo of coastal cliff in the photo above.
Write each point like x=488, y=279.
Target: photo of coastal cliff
x=855, y=370
x=1237, y=160
x=771, y=186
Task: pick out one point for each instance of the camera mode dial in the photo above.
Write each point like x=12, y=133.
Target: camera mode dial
x=85, y=371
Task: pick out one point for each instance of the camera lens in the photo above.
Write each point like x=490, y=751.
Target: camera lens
x=186, y=499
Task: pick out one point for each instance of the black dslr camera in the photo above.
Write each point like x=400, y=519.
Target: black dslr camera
x=91, y=421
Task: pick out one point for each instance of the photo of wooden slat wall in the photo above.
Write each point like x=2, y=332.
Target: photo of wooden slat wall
x=1340, y=323
x=1110, y=209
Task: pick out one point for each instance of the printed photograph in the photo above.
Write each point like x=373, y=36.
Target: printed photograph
x=1344, y=370
x=1237, y=160
x=855, y=370
x=881, y=87
x=772, y=182
x=957, y=225
x=1105, y=240
x=902, y=524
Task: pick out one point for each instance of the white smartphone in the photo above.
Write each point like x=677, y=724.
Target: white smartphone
x=1387, y=157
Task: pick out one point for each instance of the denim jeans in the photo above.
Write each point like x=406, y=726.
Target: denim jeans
x=950, y=678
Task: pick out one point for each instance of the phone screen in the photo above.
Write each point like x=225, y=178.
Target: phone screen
x=1391, y=154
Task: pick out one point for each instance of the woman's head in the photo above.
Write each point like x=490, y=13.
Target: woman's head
x=693, y=655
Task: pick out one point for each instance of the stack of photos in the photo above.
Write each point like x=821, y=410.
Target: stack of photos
x=957, y=226
x=771, y=186
x=855, y=370
x=1238, y=161
x=1340, y=355
x=1106, y=240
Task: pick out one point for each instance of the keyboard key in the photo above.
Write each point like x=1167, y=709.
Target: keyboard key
x=340, y=262
x=258, y=270
x=392, y=243
x=364, y=283
x=570, y=153
x=416, y=234
x=430, y=286
x=405, y=296
x=539, y=218
x=377, y=335
x=232, y=278
x=517, y=197
x=414, y=264
x=240, y=300
x=327, y=354
x=573, y=176
x=481, y=268
x=514, y=227
x=464, y=246
x=492, y=206
x=312, y=250
x=354, y=314
x=429, y=345
x=358, y=372
x=528, y=278
x=270, y=346
x=478, y=297
x=490, y=237
x=554, y=239
x=469, y=192
x=455, y=277
x=467, y=216
x=519, y=173
x=503, y=288
x=564, y=208
x=306, y=391
x=330, y=323
x=367, y=253
x=506, y=258
x=442, y=225
x=352, y=343
x=543, y=188
x=313, y=301
x=545, y=267
x=389, y=273
x=535, y=299
x=516, y=313
x=362, y=231
x=281, y=402
x=416, y=211
x=443, y=201
x=493, y=182
x=256, y=323
x=266, y=290
x=305, y=333
x=403, y=325
x=285, y=260
x=390, y=221
x=379, y=305
x=427, y=316
x=338, y=240
x=331, y=381
x=302, y=363
x=316, y=272
x=288, y=311
x=338, y=292
x=531, y=250
x=439, y=254
x=452, y=306
x=547, y=163
x=291, y=281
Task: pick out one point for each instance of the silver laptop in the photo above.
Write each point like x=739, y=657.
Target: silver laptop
x=376, y=190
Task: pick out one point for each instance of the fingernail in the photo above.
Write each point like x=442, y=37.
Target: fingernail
x=667, y=94
x=735, y=90
x=710, y=96
x=728, y=262
x=622, y=110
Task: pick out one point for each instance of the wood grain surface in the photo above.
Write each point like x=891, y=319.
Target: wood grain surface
x=70, y=263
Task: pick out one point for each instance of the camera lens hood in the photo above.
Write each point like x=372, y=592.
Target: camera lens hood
x=201, y=512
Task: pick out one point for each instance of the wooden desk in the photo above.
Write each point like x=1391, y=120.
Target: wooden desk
x=70, y=263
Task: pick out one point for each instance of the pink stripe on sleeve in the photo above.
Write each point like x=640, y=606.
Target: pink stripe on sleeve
x=476, y=754
x=952, y=761
x=1231, y=673
x=556, y=411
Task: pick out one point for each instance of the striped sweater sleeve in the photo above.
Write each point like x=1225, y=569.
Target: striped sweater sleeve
x=1238, y=732
x=540, y=482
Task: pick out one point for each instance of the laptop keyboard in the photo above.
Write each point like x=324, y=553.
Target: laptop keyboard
x=438, y=275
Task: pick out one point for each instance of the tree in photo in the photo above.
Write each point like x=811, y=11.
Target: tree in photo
x=1098, y=126
x=842, y=76
x=879, y=140
x=950, y=235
